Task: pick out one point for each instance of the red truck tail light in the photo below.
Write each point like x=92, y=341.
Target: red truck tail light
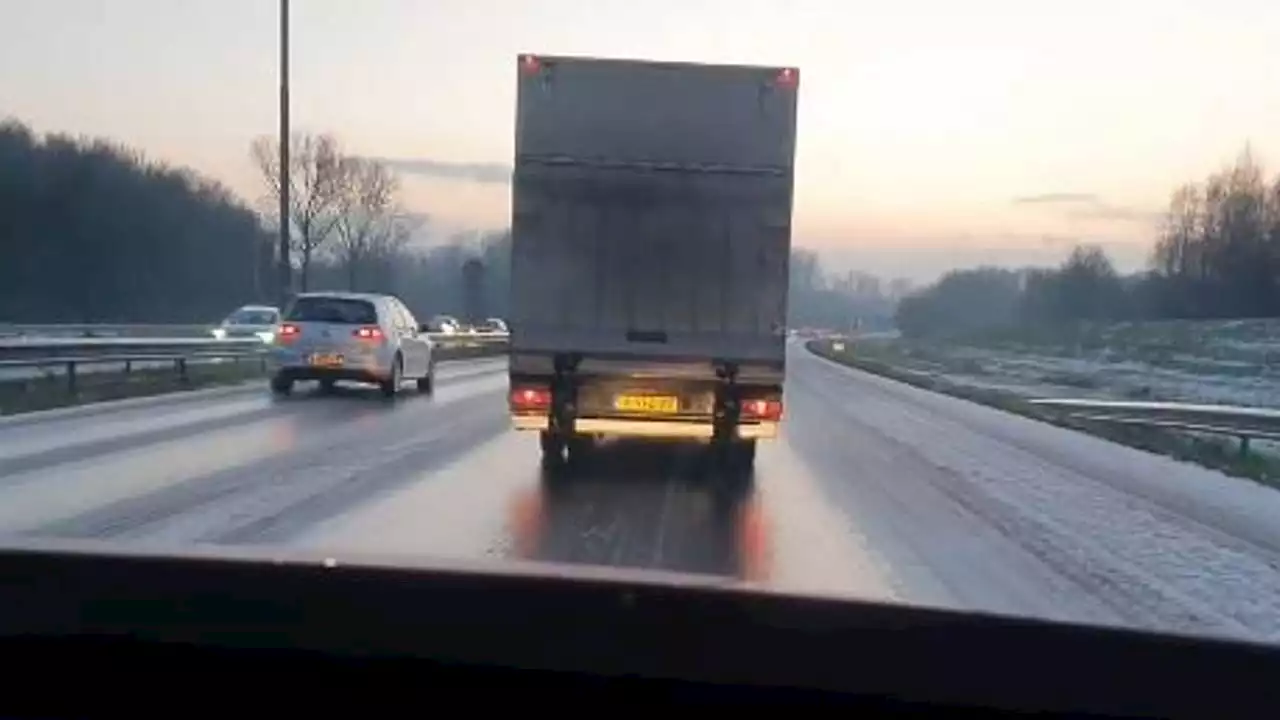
x=762, y=409
x=530, y=64
x=787, y=77
x=525, y=399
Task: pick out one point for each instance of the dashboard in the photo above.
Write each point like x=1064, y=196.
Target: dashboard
x=129, y=632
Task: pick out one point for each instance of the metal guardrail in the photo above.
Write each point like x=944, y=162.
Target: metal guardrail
x=70, y=353
x=8, y=330
x=1240, y=422
x=152, y=330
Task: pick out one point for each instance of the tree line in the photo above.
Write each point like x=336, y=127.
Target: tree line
x=1216, y=255
x=92, y=231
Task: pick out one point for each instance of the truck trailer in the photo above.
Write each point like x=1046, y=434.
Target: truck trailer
x=651, y=237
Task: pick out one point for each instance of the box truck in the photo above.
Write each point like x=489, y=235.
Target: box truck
x=651, y=234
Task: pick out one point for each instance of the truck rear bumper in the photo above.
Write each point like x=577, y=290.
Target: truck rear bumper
x=648, y=428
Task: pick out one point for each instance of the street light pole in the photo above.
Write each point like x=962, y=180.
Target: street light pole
x=286, y=269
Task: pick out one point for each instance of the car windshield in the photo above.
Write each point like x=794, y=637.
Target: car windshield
x=333, y=310
x=252, y=317
x=967, y=304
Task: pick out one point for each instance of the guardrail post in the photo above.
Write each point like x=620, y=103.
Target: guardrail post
x=181, y=366
x=71, y=378
x=1244, y=445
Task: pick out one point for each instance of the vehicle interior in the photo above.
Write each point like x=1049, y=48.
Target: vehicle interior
x=307, y=629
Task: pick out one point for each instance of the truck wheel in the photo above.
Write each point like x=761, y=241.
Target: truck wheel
x=326, y=386
x=281, y=385
x=579, y=447
x=553, y=446
x=736, y=458
x=745, y=451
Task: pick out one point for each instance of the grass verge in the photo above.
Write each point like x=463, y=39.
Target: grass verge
x=1216, y=453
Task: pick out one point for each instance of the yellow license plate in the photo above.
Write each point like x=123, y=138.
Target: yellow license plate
x=326, y=360
x=647, y=403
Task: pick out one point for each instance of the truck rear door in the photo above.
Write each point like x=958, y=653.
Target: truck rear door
x=652, y=209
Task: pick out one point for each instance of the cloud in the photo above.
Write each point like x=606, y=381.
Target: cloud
x=1056, y=198
x=487, y=173
x=927, y=259
x=1116, y=213
x=1087, y=206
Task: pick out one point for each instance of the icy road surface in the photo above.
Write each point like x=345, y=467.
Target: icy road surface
x=877, y=490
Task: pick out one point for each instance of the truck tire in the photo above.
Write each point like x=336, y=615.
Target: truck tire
x=281, y=385
x=745, y=454
x=553, y=447
x=579, y=447
x=736, y=457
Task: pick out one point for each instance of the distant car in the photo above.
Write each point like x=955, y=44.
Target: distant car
x=445, y=325
x=360, y=337
x=492, y=325
x=249, y=321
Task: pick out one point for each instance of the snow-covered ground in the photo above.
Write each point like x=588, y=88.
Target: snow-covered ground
x=1229, y=362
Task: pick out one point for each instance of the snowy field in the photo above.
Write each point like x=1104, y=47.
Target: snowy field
x=1228, y=362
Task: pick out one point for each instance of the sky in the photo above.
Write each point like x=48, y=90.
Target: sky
x=932, y=133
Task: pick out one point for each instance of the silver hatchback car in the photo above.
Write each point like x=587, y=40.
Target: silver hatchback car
x=361, y=337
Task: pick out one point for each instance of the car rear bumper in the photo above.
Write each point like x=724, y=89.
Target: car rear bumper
x=626, y=427
x=294, y=365
x=313, y=373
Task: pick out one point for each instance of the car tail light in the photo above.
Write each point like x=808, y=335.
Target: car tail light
x=369, y=333
x=762, y=409
x=530, y=398
x=288, y=333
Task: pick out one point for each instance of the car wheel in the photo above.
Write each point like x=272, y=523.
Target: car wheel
x=391, y=386
x=326, y=386
x=427, y=383
x=281, y=385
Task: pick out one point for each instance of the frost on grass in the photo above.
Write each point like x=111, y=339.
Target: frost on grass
x=1234, y=362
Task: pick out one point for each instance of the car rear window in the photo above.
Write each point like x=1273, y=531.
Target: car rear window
x=252, y=317
x=346, y=311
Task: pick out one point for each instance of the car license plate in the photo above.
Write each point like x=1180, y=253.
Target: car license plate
x=647, y=403
x=326, y=360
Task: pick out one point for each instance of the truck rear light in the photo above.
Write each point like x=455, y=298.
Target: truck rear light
x=787, y=77
x=373, y=333
x=762, y=409
x=530, y=64
x=530, y=398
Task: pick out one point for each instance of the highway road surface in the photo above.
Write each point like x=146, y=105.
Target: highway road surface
x=877, y=490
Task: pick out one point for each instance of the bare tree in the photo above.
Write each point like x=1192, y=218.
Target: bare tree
x=315, y=188
x=385, y=251
x=365, y=214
